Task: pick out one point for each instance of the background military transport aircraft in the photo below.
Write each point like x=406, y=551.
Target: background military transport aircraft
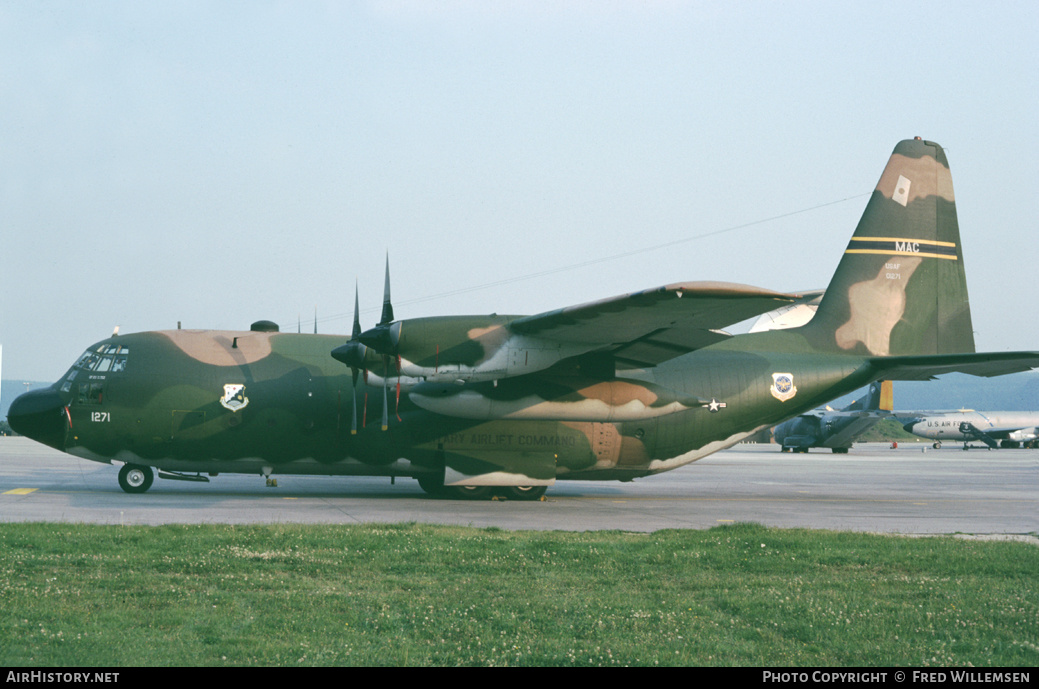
x=836, y=430
x=469, y=405
x=995, y=429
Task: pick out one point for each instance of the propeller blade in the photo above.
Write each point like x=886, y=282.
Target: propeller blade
x=353, y=369
x=387, y=306
x=353, y=426
x=396, y=409
x=357, y=312
x=386, y=393
x=383, y=339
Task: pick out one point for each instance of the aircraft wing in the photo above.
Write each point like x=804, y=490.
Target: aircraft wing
x=928, y=366
x=646, y=328
x=856, y=423
x=1006, y=432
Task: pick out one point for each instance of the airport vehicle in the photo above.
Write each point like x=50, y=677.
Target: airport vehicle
x=836, y=430
x=1004, y=429
x=478, y=405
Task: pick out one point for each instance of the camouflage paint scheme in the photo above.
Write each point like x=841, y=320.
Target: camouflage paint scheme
x=836, y=429
x=617, y=389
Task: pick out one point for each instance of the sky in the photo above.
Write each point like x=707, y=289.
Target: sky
x=218, y=163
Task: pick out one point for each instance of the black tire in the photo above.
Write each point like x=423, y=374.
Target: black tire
x=468, y=492
x=523, y=492
x=432, y=484
x=134, y=478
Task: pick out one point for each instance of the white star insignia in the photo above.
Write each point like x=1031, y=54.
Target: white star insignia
x=714, y=405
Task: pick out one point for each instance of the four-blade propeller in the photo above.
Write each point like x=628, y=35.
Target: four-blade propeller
x=383, y=339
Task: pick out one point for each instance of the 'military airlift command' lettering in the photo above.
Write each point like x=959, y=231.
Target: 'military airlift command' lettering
x=509, y=440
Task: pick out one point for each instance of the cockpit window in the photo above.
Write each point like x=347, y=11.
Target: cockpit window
x=105, y=358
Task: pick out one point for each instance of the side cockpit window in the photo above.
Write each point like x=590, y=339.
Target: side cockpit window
x=91, y=393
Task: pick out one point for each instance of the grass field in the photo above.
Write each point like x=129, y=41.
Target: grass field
x=78, y=595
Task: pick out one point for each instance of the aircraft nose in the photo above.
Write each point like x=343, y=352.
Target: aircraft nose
x=40, y=415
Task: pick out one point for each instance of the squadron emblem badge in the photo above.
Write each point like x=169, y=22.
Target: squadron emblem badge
x=234, y=397
x=783, y=386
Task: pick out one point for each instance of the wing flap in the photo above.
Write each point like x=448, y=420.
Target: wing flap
x=862, y=422
x=665, y=344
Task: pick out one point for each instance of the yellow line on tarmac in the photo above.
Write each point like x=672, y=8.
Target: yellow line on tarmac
x=19, y=491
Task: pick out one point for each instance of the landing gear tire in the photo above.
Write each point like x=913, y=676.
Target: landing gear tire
x=468, y=492
x=523, y=492
x=936, y=445
x=134, y=478
x=432, y=485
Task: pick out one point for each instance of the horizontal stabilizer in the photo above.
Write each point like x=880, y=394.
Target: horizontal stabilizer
x=928, y=366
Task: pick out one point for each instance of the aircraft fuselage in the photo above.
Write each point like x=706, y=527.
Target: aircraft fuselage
x=254, y=402
x=963, y=425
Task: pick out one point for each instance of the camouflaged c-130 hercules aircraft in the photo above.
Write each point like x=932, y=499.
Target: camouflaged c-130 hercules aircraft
x=474, y=405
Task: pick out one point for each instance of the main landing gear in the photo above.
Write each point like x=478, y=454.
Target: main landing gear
x=434, y=485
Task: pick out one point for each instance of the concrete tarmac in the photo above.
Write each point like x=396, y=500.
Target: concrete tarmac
x=909, y=490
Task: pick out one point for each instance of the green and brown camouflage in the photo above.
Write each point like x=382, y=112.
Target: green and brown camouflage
x=613, y=390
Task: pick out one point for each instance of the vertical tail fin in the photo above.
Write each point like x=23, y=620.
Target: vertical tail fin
x=900, y=287
x=887, y=396
x=880, y=396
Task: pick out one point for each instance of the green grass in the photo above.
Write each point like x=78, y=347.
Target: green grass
x=408, y=594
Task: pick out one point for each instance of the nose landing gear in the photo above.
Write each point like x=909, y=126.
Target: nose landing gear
x=134, y=478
